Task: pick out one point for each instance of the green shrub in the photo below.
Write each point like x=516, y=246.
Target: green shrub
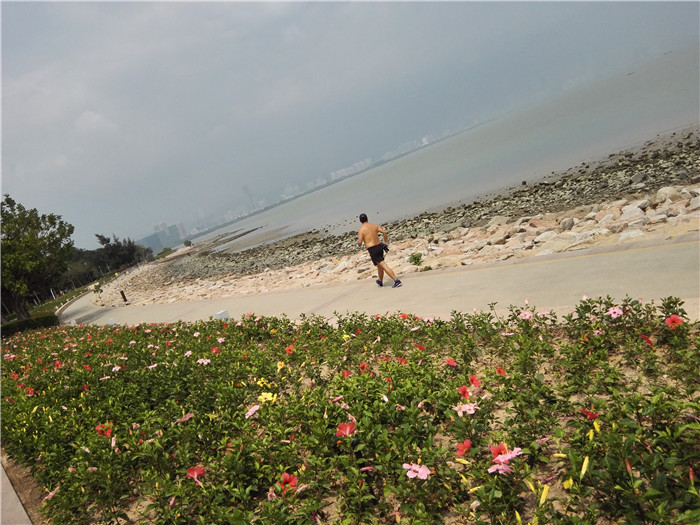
x=41, y=321
x=416, y=259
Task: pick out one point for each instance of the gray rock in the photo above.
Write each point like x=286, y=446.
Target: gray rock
x=638, y=223
x=498, y=220
x=638, y=177
x=478, y=245
x=658, y=218
x=617, y=227
x=694, y=204
x=500, y=237
x=667, y=193
x=630, y=234
x=567, y=223
x=544, y=237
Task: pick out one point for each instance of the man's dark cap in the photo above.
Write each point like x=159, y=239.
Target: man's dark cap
x=363, y=217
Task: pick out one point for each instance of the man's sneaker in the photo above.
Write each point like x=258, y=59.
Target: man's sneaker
x=397, y=283
x=379, y=283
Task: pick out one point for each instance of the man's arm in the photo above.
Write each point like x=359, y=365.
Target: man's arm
x=383, y=232
x=360, y=238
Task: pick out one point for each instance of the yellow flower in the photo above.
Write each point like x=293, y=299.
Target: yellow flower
x=543, y=497
x=529, y=484
x=590, y=434
x=280, y=366
x=262, y=382
x=462, y=461
x=559, y=455
x=568, y=483
x=518, y=518
x=346, y=337
x=596, y=425
x=267, y=396
x=584, y=468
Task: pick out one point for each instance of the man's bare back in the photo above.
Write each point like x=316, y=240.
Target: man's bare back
x=369, y=234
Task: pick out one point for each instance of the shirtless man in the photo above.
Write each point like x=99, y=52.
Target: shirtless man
x=369, y=234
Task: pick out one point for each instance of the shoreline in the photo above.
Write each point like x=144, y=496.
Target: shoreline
x=650, y=191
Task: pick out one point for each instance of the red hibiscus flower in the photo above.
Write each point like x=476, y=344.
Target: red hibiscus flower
x=29, y=391
x=402, y=360
x=195, y=473
x=346, y=373
x=104, y=430
x=346, y=429
x=215, y=350
x=464, y=390
x=364, y=367
x=474, y=381
x=289, y=349
x=288, y=482
x=500, y=371
x=451, y=362
x=497, y=450
x=589, y=414
x=673, y=322
x=87, y=367
x=464, y=447
x=647, y=340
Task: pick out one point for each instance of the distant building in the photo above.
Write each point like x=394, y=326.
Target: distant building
x=153, y=242
x=165, y=237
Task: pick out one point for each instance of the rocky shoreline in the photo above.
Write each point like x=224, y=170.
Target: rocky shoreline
x=649, y=191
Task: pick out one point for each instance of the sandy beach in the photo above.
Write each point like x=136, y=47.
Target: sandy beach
x=650, y=192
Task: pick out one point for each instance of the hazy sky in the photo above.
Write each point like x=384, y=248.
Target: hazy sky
x=119, y=116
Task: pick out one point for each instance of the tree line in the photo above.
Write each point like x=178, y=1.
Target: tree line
x=40, y=261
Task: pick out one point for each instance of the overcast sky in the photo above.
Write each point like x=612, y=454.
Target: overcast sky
x=119, y=116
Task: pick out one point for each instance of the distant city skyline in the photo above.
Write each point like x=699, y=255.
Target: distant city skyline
x=229, y=215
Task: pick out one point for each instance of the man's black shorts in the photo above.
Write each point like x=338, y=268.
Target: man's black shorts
x=376, y=252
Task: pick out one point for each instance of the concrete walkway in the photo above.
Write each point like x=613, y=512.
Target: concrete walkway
x=557, y=282
x=11, y=509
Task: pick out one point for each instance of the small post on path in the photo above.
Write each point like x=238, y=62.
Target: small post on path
x=123, y=296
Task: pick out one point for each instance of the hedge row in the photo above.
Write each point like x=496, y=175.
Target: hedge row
x=41, y=321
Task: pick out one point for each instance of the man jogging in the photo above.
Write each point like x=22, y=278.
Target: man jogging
x=369, y=234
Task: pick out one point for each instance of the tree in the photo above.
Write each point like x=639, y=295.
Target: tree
x=117, y=254
x=35, y=252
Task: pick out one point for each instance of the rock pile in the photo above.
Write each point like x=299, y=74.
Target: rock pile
x=651, y=192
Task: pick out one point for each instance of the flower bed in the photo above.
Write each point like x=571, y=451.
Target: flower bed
x=477, y=419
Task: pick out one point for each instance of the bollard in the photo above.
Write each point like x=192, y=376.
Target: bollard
x=223, y=314
x=123, y=296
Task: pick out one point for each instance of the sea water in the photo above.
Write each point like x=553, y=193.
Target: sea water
x=583, y=125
